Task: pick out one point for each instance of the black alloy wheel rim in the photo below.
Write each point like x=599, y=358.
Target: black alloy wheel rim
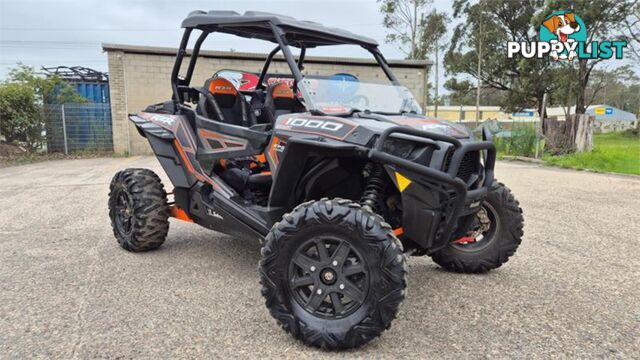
x=487, y=236
x=328, y=277
x=124, y=213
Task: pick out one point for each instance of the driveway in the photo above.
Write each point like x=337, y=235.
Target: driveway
x=68, y=290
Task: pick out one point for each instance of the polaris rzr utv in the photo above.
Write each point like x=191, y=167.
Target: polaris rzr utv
x=338, y=178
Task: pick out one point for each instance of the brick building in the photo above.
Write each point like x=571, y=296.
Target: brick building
x=140, y=76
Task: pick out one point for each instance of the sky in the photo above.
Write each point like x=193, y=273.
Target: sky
x=65, y=32
x=70, y=32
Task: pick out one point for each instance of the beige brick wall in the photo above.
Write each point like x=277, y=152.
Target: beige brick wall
x=140, y=76
x=467, y=113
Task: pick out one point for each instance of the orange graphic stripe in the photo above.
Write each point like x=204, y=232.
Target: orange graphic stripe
x=179, y=213
x=184, y=158
x=197, y=175
x=272, y=150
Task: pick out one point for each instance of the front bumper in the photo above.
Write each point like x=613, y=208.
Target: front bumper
x=431, y=211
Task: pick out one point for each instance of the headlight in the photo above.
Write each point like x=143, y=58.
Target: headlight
x=397, y=147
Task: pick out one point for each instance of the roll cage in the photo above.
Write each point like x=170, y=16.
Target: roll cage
x=282, y=30
x=443, y=201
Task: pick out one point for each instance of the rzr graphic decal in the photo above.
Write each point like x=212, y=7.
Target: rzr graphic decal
x=433, y=125
x=169, y=122
x=332, y=127
x=216, y=142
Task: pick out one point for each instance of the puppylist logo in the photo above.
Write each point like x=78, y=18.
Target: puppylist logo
x=563, y=36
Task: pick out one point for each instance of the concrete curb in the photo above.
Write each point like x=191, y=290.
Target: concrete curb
x=523, y=159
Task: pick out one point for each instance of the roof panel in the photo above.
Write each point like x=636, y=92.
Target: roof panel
x=256, y=24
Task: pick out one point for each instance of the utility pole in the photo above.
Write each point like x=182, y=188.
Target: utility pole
x=479, y=82
x=414, y=31
x=64, y=129
x=425, y=91
x=437, y=84
x=638, y=120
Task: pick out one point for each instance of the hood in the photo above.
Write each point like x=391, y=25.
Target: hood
x=368, y=125
x=443, y=127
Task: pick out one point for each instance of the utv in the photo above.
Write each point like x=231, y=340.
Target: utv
x=339, y=179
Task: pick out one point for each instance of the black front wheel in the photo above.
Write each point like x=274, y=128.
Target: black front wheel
x=495, y=236
x=333, y=274
x=138, y=209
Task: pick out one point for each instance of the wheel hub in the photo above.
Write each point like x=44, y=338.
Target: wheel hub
x=328, y=276
x=124, y=213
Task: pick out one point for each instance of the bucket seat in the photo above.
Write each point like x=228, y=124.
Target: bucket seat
x=225, y=104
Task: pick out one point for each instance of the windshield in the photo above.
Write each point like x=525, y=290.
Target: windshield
x=344, y=93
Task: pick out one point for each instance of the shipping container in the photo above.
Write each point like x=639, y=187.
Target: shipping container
x=94, y=92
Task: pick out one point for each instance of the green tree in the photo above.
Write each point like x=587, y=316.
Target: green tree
x=22, y=97
x=434, y=28
x=20, y=117
x=48, y=90
x=619, y=87
x=632, y=30
x=463, y=93
x=479, y=42
x=404, y=20
x=604, y=20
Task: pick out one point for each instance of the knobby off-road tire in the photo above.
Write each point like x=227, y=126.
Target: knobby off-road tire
x=499, y=243
x=138, y=209
x=361, y=291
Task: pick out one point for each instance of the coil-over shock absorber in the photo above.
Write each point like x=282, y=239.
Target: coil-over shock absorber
x=374, y=189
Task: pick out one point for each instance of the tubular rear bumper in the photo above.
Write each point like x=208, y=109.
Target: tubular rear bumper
x=431, y=217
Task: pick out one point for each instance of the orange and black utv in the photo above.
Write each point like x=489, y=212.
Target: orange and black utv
x=340, y=179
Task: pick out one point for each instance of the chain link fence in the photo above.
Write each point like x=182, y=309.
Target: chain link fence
x=72, y=127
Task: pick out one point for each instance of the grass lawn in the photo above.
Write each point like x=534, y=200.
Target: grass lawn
x=612, y=152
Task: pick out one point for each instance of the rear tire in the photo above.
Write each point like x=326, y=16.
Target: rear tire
x=500, y=241
x=138, y=210
x=333, y=274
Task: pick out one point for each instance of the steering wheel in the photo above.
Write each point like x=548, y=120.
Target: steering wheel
x=358, y=100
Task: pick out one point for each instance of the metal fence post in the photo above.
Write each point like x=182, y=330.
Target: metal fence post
x=64, y=130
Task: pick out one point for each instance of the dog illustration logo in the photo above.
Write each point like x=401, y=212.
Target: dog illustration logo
x=563, y=27
x=563, y=36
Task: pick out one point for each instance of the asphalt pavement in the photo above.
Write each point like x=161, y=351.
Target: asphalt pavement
x=67, y=290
